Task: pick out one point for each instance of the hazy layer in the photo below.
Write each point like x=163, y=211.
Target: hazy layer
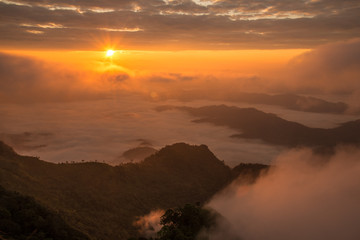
x=67, y=114
x=103, y=129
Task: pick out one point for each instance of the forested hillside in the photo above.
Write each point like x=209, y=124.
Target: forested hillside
x=103, y=201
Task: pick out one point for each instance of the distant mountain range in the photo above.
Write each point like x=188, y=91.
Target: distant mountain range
x=288, y=101
x=255, y=124
x=103, y=201
x=292, y=101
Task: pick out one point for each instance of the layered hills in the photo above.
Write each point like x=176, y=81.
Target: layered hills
x=286, y=101
x=103, y=201
x=254, y=124
x=291, y=101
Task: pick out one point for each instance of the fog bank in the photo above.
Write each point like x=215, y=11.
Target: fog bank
x=303, y=197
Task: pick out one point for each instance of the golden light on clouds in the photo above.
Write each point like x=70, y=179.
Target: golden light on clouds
x=189, y=62
x=118, y=80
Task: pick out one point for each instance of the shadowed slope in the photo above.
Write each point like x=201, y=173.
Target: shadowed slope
x=103, y=201
x=21, y=217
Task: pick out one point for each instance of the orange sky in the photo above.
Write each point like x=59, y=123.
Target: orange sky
x=190, y=61
x=221, y=38
x=164, y=47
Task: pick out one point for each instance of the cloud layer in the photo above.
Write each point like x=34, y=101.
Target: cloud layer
x=122, y=110
x=178, y=24
x=330, y=69
x=303, y=197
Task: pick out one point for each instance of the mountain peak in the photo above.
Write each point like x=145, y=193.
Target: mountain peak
x=184, y=153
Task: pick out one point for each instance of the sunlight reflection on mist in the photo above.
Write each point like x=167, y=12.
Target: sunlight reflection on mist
x=103, y=129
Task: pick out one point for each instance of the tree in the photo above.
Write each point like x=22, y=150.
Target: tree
x=184, y=223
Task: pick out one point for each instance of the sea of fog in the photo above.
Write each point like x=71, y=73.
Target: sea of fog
x=103, y=130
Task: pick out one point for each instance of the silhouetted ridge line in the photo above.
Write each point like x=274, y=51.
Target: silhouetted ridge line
x=292, y=101
x=103, y=201
x=255, y=124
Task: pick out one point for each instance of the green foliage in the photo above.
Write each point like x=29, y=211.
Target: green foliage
x=23, y=218
x=184, y=223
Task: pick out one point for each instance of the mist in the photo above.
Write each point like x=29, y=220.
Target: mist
x=329, y=68
x=149, y=224
x=63, y=113
x=103, y=130
x=304, y=196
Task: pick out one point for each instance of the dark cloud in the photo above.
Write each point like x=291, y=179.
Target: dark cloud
x=180, y=24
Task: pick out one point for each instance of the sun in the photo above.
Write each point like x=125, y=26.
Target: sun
x=110, y=53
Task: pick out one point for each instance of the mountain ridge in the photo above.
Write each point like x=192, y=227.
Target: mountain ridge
x=102, y=200
x=268, y=127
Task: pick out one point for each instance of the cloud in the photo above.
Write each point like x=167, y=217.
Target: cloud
x=333, y=67
x=181, y=24
x=29, y=80
x=149, y=224
x=303, y=197
x=27, y=141
x=97, y=117
x=123, y=113
x=104, y=129
x=327, y=71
